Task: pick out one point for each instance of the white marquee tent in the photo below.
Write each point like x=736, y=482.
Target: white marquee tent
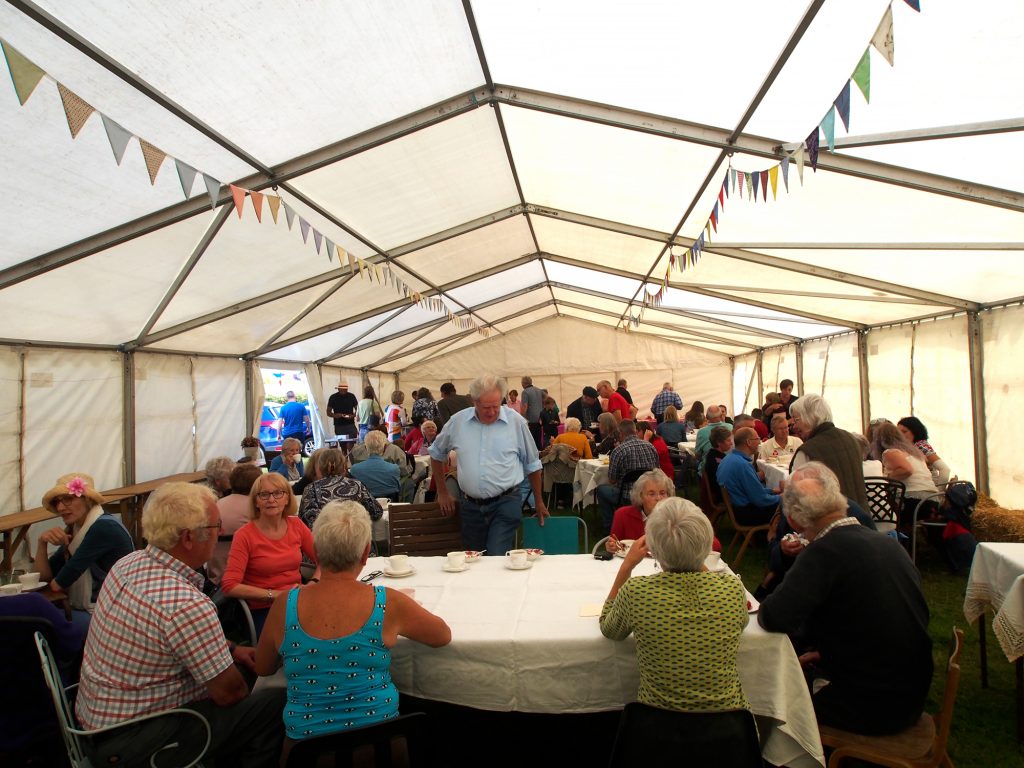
x=460, y=187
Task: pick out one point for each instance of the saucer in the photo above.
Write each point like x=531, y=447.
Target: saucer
x=522, y=567
x=34, y=587
x=450, y=569
x=626, y=544
x=399, y=574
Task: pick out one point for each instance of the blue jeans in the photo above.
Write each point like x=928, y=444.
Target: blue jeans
x=363, y=429
x=607, y=501
x=491, y=526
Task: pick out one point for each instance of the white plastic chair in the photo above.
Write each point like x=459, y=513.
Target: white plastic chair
x=74, y=736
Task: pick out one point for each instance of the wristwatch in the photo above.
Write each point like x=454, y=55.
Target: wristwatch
x=270, y=594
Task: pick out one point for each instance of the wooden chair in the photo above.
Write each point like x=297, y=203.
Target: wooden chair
x=746, y=531
x=923, y=745
x=713, y=509
x=422, y=529
x=382, y=738
x=885, y=499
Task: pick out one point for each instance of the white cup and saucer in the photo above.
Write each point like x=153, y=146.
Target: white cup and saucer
x=8, y=590
x=399, y=566
x=31, y=581
x=518, y=560
x=626, y=544
x=714, y=562
x=456, y=562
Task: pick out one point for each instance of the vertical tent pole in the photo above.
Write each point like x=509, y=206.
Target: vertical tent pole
x=760, y=380
x=22, y=384
x=249, y=415
x=977, y=356
x=865, y=395
x=128, y=416
x=799, y=349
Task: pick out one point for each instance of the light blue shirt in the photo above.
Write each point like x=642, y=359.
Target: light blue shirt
x=491, y=457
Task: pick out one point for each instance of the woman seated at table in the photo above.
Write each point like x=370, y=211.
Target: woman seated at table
x=780, y=447
x=87, y=546
x=671, y=429
x=645, y=431
x=721, y=444
x=628, y=523
x=609, y=431
x=309, y=473
x=695, y=418
x=914, y=430
x=419, y=440
x=574, y=439
x=683, y=612
x=234, y=513
x=266, y=552
x=902, y=461
x=336, y=635
x=289, y=464
x=334, y=485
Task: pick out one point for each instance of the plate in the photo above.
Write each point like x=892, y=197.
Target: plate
x=626, y=544
x=33, y=588
x=399, y=574
x=752, y=604
x=522, y=567
x=472, y=555
x=533, y=554
x=449, y=569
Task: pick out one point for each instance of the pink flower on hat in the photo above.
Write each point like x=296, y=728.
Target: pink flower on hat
x=76, y=487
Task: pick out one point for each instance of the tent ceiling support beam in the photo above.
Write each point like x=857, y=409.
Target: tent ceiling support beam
x=312, y=305
x=699, y=290
x=976, y=354
x=981, y=246
x=440, y=350
x=456, y=231
x=865, y=382
x=683, y=313
x=411, y=350
x=927, y=134
x=368, y=332
x=184, y=272
x=128, y=416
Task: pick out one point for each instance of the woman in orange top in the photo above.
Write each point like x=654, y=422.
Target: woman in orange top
x=573, y=438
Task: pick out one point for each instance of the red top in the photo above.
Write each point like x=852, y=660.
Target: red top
x=618, y=403
x=664, y=459
x=628, y=523
x=761, y=429
x=265, y=563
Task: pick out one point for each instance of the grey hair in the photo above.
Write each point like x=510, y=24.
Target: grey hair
x=428, y=421
x=341, y=534
x=812, y=493
x=782, y=417
x=291, y=442
x=331, y=462
x=715, y=411
x=375, y=442
x=679, y=535
x=655, y=476
x=218, y=469
x=572, y=424
x=176, y=507
x=718, y=435
x=812, y=410
x=487, y=383
x=606, y=423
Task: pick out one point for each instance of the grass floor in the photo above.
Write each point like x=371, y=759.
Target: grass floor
x=984, y=721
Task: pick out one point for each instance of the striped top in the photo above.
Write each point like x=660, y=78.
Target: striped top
x=153, y=643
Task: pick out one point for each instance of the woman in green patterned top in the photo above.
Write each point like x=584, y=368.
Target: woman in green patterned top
x=687, y=620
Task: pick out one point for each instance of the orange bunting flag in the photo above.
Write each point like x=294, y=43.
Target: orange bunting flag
x=275, y=205
x=239, y=195
x=773, y=177
x=154, y=159
x=76, y=109
x=257, y=204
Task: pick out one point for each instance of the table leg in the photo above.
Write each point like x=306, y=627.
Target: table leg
x=984, y=651
x=8, y=546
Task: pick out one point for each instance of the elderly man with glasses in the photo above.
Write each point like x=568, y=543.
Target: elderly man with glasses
x=155, y=644
x=752, y=503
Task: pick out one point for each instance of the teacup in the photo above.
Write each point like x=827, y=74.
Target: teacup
x=10, y=589
x=713, y=560
x=29, y=580
x=399, y=563
x=383, y=501
x=456, y=559
x=517, y=557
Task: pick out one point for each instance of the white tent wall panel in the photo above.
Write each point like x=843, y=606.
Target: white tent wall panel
x=744, y=388
x=1003, y=347
x=643, y=386
x=889, y=371
x=73, y=419
x=10, y=430
x=164, y=416
x=816, y=355
x=842, y=382
x=707, y=383
x=220, y=407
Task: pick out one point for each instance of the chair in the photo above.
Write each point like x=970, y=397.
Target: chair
x=923, y=745
x=235, y=617
x=713, y=509
x=599, y=545
x=74, y=737
x=934, y=498
x=559, y=470
x=626, y=484
x=885, y=501
x=747, y=531
x=422, y=529
x=666, y=738
x=381, y=737
x=558, y=536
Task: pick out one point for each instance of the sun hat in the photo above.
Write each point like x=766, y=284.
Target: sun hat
x=74, y=484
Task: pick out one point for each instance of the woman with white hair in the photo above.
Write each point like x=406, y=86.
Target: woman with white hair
x=683, y=612
x=289, y=464
x=381, y=478
x=334, y=637
x=218, y=473
x=574, y=438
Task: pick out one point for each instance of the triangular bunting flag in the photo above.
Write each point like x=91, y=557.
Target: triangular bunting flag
x=732, y=179
x=362, y=267
x=842, y=103
x=812, y=150
x=24, y=74
x=212, y=187
x=755, y=177
x=773, y=177
x=785, y=172
x=318, y=240
x=862, y=75
x=154, y=159
x=883, y=39
x=186, y=175
x=275, y=204
x=117, y=136
x=764, y=186
x=351, y=259
x=289, y=216
x=707, y=228
x=750, y=186
x=800, y=160
x=239, y=197
x=304, y=227
x=828, y=127
x=714, y=223
x=721, y=196
x=76, y=110
x=330, y=249
x=915, y=4
x=739, y=178
x=257, y=204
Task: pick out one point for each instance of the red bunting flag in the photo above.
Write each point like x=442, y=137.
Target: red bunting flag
x=239, y=195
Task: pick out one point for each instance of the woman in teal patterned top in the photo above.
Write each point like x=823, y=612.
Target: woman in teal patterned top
x=334, y=636
x=687, y=621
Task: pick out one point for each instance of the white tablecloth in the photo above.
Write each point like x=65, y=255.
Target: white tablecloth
x=774, y=474
x=590, y=473
x=689, y=448
x=519, y=643
x=997, y=580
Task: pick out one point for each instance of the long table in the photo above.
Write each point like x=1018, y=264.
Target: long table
x=590, y=473
x=519, y=643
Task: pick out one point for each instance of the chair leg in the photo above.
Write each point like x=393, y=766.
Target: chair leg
x=735, y=538
x=743, y=548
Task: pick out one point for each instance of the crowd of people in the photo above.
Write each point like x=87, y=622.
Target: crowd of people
x=292, y=541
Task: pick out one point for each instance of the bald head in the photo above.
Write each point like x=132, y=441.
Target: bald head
x=714, y=414
x=746, y=440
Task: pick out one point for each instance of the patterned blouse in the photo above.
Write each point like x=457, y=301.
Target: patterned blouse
x=687, y=628
x=317, y=495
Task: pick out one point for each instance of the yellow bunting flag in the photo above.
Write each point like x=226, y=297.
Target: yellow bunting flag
x=24, y=74
x=76, y=109
x=773, y=177
x=154, y=159
x=257, y=204
x=239, y=196
x=351, y=260
x=275, y=205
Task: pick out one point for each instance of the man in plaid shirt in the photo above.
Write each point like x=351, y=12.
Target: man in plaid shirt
x=631, y=455
x=663, y=400
x=155, y=644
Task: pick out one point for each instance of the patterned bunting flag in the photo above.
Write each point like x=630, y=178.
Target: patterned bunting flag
x=154, y=159
x=117, y=136
x=862, y=75
x=812, y=151
x=883, y=40
x=186, y=175
x=24, y=74
x=773, y=177
x=828, y=127
x=751, y=192
x=76, y=110
x=239, y=195
x=275, y=204
x=732, y=177
x=257, y=204
x=739, y=178
x=212, y=187
x=842, y=103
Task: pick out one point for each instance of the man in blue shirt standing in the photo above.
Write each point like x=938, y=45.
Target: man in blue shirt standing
x=752, y=503
x=296, y=420
x=495, y=451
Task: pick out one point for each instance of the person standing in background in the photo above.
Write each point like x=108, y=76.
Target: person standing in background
x=367, y=407
x=532, y=404
x=341, y=406
x=296, y=420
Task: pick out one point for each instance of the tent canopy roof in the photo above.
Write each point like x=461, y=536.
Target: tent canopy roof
x=518, y=163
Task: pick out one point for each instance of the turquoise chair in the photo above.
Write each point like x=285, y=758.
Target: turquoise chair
x=559, y=535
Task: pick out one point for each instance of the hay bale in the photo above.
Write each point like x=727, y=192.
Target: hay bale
x=994, y=523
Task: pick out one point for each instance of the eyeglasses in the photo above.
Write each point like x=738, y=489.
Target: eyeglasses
x=64, y=501
x=218, y=525
x=266, y=495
